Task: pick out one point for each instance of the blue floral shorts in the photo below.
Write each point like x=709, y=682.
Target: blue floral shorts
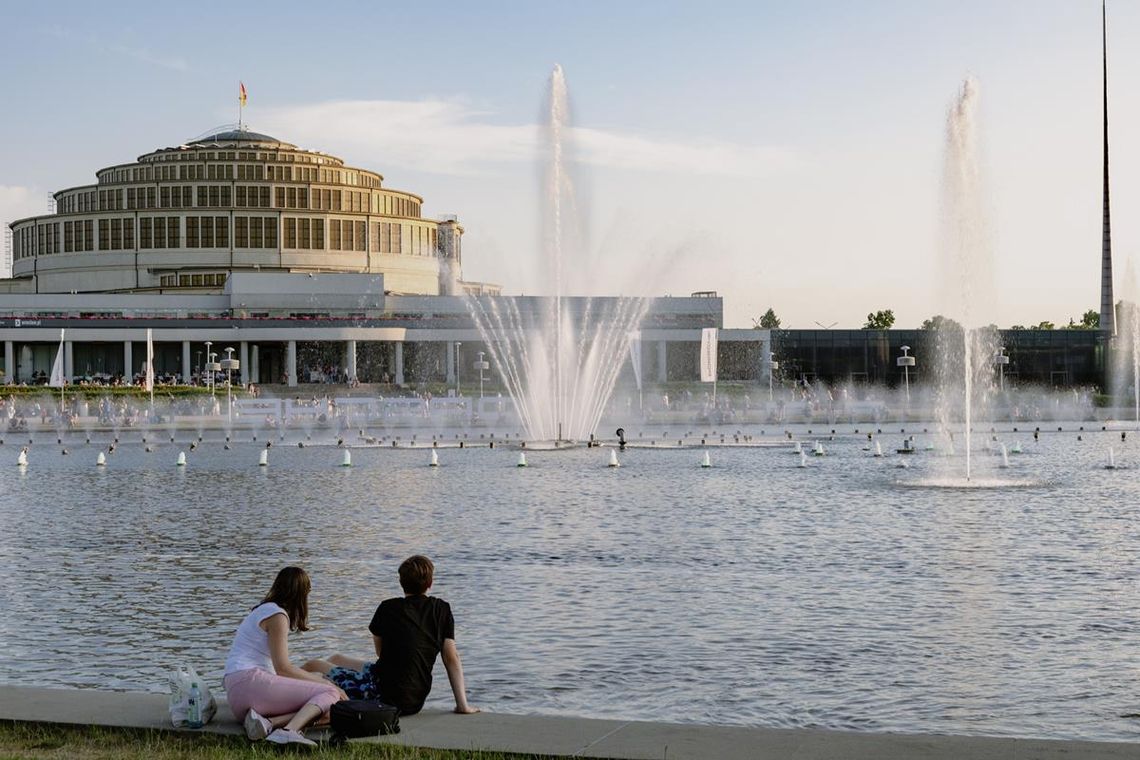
x=357, y=684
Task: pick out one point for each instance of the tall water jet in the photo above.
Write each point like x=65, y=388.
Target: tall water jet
x=964, y=350
x=558, y=355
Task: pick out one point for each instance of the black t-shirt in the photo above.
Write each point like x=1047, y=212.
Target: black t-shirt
x=411, y=631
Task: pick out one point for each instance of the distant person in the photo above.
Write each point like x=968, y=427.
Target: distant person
x=272, y=697
x=407, y=632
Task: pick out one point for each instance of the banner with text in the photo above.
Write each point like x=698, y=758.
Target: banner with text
x=708, y=354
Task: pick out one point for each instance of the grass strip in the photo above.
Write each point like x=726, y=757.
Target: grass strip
x=19, y=741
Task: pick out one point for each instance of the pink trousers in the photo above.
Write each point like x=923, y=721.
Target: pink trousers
x=273, y=695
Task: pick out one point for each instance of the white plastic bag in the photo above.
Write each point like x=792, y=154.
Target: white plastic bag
x=180, y=682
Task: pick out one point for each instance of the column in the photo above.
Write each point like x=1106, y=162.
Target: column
x=9, y=362
x=128, y=373
x=399, y=364
x=68, y=362
x=243, y=357
x=187, y=370
x=291, y=362
x=662, y=363
x=254, y=363
x=350, y=359
x=450, y=362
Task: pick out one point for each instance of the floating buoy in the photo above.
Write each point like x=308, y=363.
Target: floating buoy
x=22, y=457
x=799, y=449
x=902, y=465
x=101, y=460
x=818, y=451
x=522, y=459
x=346, y=461
x=706, y=461
x=181, y=459
x=263, y=458
x=1111, y=460
x=878, y=449
x=434, y=459
x=613, y=459
x=803, y=459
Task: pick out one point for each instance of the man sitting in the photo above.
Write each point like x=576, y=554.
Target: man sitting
x=407, y=632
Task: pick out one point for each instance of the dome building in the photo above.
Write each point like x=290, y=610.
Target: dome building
x=186, y=218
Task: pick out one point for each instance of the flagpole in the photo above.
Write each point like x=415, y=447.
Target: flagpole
x=62, y=385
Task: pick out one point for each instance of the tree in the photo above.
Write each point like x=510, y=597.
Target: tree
x=880, y=320
x=1090, y=320
x=1018, y=327
x=1046, y=325
x=939, y=322
x=767, y=322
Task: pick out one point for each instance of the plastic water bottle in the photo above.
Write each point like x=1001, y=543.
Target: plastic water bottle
x=194, y=707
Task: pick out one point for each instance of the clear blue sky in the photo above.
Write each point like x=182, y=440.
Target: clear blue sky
x=785, y=154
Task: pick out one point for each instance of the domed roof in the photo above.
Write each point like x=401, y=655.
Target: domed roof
x=230, y=135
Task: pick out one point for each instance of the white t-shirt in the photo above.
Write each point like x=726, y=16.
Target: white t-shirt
x=251, y=644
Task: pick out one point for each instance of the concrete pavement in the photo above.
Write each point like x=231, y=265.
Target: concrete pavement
x=579, y=737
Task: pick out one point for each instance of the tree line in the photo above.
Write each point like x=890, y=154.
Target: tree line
x=884, y=319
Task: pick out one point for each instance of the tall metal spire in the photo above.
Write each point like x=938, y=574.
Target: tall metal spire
x=1107, y=307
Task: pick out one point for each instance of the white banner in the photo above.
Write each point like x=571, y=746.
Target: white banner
x=635, y=355
x=56, y=380
x=708, y=354
x=149, y=360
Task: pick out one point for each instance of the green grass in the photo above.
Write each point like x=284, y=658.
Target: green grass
x=40, y=740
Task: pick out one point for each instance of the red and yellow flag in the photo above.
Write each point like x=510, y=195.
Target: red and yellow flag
x=241, y=94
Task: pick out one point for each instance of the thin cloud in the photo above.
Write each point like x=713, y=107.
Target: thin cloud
x=139, y=54
x=451, y=138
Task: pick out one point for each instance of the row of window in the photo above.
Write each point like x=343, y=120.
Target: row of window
x=153, y=170
x=300, y=233
x=247, y=196
x=243, y=155
x=206, y=280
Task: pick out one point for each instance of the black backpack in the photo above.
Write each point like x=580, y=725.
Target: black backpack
x=356, y=718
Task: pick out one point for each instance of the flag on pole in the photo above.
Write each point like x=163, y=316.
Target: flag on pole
x=149, y=361
x=241, y=94
x=56, y=380
x=708, y=354
x=635, y=355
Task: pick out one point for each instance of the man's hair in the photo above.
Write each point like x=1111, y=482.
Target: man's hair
x=416, y=574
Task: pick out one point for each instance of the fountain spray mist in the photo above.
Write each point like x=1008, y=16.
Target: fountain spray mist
x=964, y=348
x=559, y=355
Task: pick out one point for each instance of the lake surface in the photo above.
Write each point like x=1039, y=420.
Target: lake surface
x=843, y=595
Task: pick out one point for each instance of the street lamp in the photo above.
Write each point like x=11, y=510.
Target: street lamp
x=481, y=365
x=906, y=361
x=458, y=365
x=212, y=365
x=773, y=365
x=1000, y=359
x=229, y=364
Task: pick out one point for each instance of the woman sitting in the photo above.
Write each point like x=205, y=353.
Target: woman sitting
x=274, y=698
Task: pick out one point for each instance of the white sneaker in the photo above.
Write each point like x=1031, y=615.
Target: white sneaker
x=256, y=727
x=285, y=736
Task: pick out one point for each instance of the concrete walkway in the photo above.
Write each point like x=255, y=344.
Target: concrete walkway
x=579, y=737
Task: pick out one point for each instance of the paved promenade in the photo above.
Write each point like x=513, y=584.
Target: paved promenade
x=579, y=737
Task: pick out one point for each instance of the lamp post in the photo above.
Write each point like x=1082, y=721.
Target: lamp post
x=906, y=361
x=481, y=365
x=209, y=358
x=229, y=364
x=458, y=364
x=773, y=365
x=1000, y=359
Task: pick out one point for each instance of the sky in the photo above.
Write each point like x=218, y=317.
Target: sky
x=785, y=155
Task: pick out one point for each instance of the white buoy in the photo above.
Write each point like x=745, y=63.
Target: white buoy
x=1111, y=460
x=22, y=458
x=803, y=459
x=902, y=465
x=346, y=460
x=101, y=460
x=522, y=459
x=181, y=459
x=799, y=449
x=819, y=449
x=1015, y=448
x=878, y=449
x=263, y=459
x=1004, y=458
x=613, y=459
x=434, y=459
x=706, y=461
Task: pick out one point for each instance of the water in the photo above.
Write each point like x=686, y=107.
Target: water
x=752, y=592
